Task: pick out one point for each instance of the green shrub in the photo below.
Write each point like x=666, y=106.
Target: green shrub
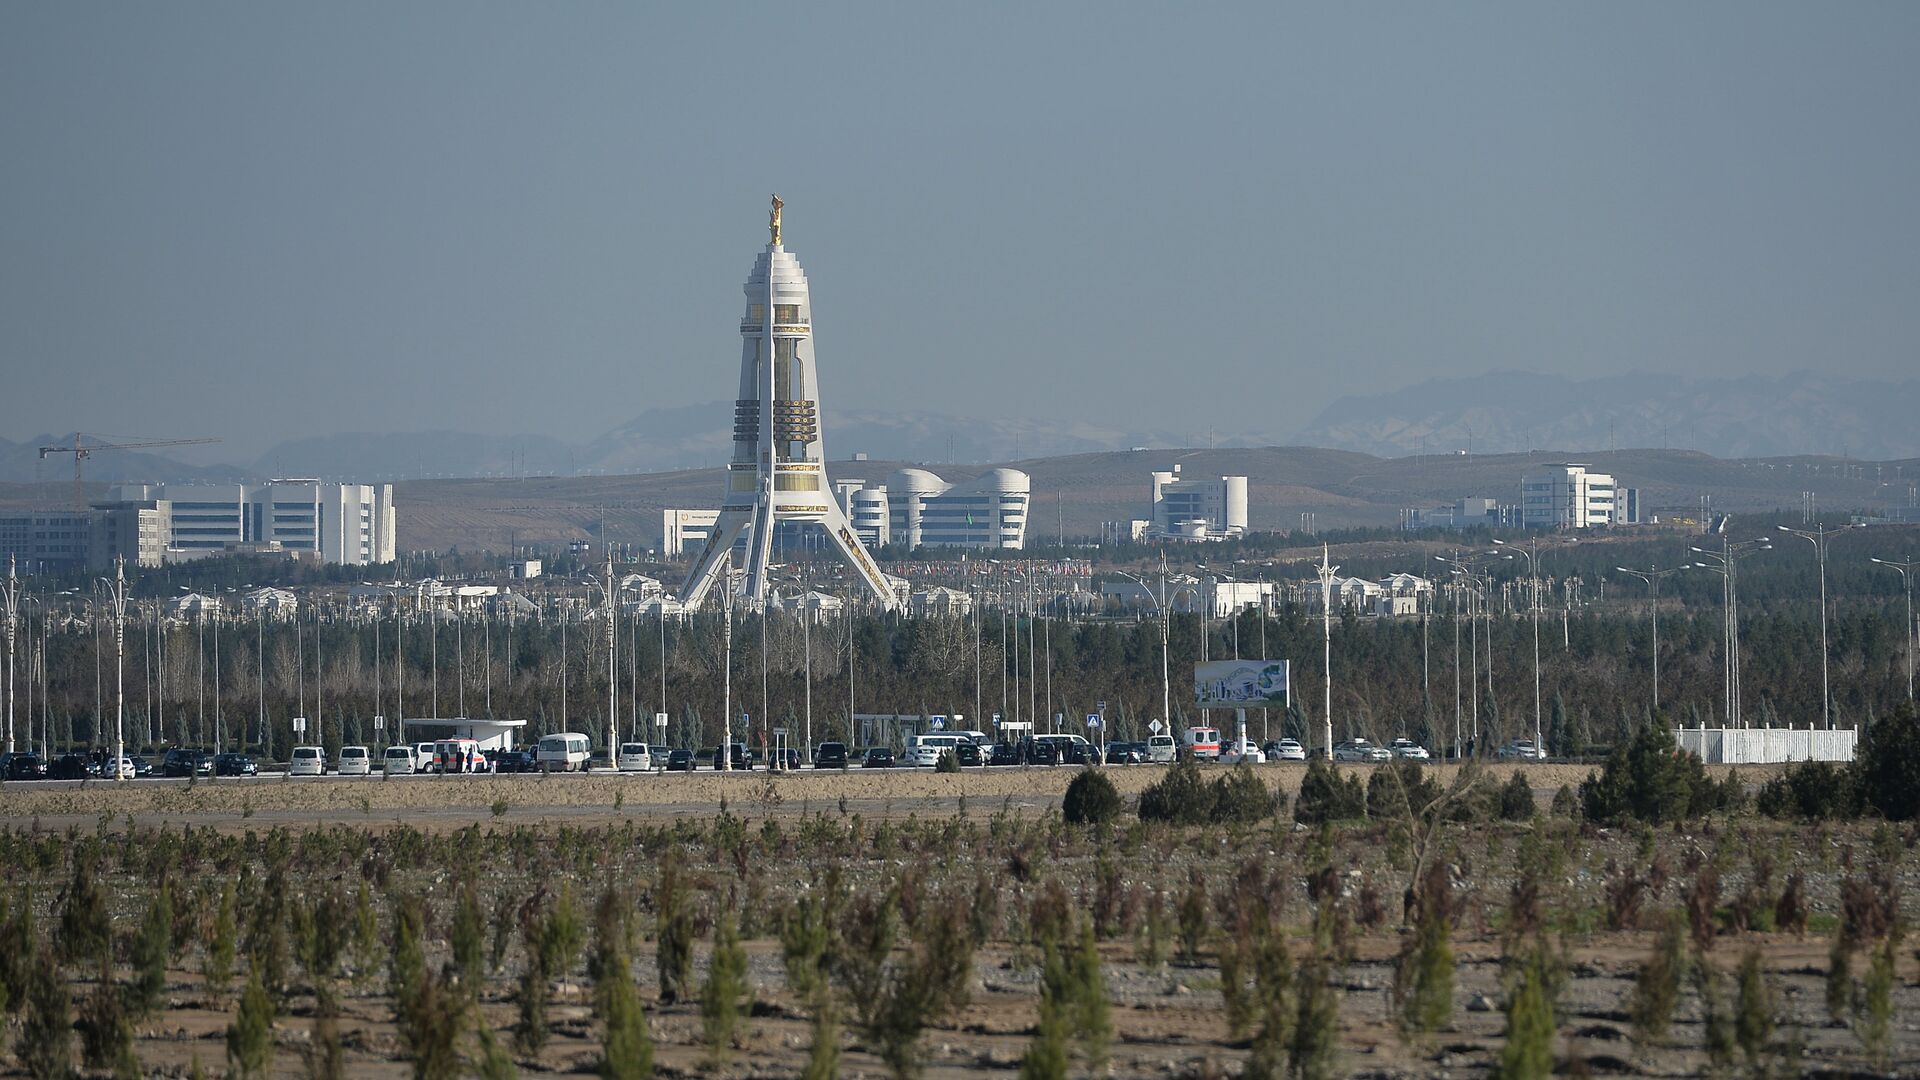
x=1527, y=1053
x=947, y=762
x=1181, y=797
x=45, y=1043
x=1650, y=780
x=1327, y=796
x=673, y=931
x=250, y=1036
x=1888, y=767
x=1400, y=790
x=723, y=999
x=626, y=1047
x=1656, y=989
x=1239, y=796
x=152, y=946
x=1516, y=799
x=84, y=930
x=1810, y=791
x=1564, y=804
x=106, y=1031
x=1423, y=979
x=1091, y=799
x=217, y=969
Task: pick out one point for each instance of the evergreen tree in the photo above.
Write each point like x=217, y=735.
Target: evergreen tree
x=724, y=996
x=250, y=1036
x=152, y=947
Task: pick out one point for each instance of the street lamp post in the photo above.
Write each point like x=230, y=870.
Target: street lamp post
x=1326, y=632
x=1906, y=637
x=119, y=594
x=1726, y=563
x=1652, y=575
x=12, y=597
x=1160, y=606
x=1533, y=603
x=1818, y=538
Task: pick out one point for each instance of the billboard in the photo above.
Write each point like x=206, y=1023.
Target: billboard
x=1240, y=684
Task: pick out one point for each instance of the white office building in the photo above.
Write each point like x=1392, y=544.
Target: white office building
x=343, y=524
x=1186, y=509
x=916, y=508
x=1567, y=497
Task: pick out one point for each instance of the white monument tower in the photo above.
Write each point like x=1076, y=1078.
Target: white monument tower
x=779, y=470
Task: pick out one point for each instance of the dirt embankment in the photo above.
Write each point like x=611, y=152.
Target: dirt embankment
x=457, y=800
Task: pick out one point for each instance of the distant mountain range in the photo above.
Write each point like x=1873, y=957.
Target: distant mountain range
x=1504, y=412
x=1501, y=412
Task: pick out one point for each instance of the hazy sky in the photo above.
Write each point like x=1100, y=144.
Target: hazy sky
x=269, y=220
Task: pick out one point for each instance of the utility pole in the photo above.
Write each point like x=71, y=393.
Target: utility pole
x=12, y=596
x=1818, y=538
x=723, y=757
x=1907, y=637
x=1652, y=575
x=1326, y=629
x=119, y=594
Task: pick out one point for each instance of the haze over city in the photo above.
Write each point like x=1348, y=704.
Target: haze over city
x=267, y=223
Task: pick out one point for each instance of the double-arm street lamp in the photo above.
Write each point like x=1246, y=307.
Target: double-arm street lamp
x=1531, y=554
x=118, y=593
x=1726, y=563
x=1652, y=575
x=1906, y=637
x=1818, y=538
x=1160, y=607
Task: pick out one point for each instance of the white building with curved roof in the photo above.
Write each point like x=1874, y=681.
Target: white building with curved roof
x=916, y=508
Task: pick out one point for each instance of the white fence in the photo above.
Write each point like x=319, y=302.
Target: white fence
x=1765, y=746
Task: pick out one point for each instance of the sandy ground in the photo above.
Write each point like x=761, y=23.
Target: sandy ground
x=454, y=801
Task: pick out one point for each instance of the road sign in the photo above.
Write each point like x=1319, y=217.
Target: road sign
x=996, y=719
x=299, y=725
x=937, y=722
x=1102, y=706
x=779, y=733
x=660, y=719
x=1093, y=720
x=1153, y=726
x=379, y=722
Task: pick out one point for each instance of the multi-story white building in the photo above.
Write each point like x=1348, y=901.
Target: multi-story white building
x=915, y=509
x=1567, y=497
x=344, y=524
x=1198, y=509
x=66, y=539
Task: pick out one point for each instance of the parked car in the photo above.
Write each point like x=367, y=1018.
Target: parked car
x=635, y=757
x=68, y=767
x=1408, y=749
x=354, y=761
x=1360, y=750
x=1521, y=750
x=142, y=767
x=511, y=761
x=234, y=765
x=397, y=760
x=1161, y=749
x=1035, y=752
x=1003, y=753
x=680, y=760
x=423, y=760
x=830, y=755
x=1239, y=750
x=969, y=755
x=183, y=762
x=1285, y=750
x=1070, y=749
x=878, y=757
x=307, y=761
x=22, y=766
x=789, y=758
x=1126, y=753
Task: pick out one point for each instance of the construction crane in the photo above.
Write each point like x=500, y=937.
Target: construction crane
x=82, y=450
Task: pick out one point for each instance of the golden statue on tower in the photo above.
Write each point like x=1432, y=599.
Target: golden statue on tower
x=773, y=220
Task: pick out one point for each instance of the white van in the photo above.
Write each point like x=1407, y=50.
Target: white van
x=924, y=750
x=1160, y=749
x=399, y=761
x=307, y=761
x=635, y=757
x=1202, y=742
x=354, y=761
x=423, y=757
x=565, y=752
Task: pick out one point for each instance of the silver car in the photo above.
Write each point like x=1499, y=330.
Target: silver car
x=1360, y=750
x=1521, y=750
x=1408, y=749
